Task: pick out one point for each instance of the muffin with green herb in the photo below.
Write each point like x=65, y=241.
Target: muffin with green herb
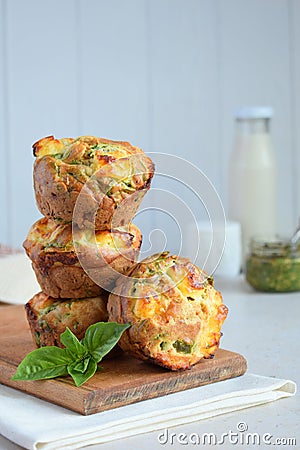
x=48, y=317
x=115, y=176
x=175, y=312
x=54, y=255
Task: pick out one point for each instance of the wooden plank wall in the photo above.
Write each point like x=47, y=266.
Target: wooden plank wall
x=163, y=74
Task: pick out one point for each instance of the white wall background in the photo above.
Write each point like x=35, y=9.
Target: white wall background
x=162, y=74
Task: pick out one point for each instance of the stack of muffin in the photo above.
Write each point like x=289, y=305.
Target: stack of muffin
x=88, y=190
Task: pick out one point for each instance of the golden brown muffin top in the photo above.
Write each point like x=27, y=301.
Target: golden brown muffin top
x=90, y=153
x=165, y=272
x=41, y=304
x=49, y=236
x=119, y=168
x=84, y=149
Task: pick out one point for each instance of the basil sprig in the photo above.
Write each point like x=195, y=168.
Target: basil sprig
x=79, y=358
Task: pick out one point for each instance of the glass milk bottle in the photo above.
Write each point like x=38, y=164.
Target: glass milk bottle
x=252, y=176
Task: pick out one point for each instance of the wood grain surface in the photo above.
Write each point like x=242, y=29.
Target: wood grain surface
x=121, y=381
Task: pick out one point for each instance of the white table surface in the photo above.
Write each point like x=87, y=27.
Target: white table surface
x=265, y=328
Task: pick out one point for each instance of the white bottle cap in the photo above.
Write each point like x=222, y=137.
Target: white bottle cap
x=254, y=112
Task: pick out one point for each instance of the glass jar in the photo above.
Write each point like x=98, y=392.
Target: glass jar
x=273, y=266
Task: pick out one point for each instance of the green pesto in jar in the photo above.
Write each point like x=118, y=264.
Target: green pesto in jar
x=273, y=266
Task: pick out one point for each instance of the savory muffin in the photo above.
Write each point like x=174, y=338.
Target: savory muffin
x=54, y=255
x=48, y=318
x=174, y=311
x=112, y=172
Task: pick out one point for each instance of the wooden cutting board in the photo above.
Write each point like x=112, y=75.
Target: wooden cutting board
x=122, y=381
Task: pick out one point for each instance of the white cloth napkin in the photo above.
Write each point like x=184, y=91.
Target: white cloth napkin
x=36, y=424
x=17, y=279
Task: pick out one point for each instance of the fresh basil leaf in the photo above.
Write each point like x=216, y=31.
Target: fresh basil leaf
x=70, y=341
x=81, y=366
x=75, y=370
x=101, y=337
x=43, y=363
x=78, y=359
